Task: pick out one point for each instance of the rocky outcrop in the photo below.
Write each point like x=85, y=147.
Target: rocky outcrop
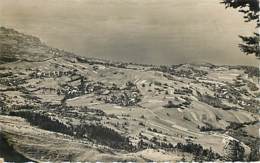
x=233, y=150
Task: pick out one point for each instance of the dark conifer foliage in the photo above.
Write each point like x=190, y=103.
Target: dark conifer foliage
x=250, y=9
x=250, y=44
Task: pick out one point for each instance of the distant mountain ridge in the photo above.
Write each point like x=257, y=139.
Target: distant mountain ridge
x=17, y=46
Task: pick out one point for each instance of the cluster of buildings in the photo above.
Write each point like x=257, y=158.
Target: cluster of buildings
x=52, y=74
x=126, y=98
x=54, y=51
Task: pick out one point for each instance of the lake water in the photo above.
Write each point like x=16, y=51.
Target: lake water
x=142, y=31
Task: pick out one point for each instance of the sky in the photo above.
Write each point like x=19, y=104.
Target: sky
x=141, y=31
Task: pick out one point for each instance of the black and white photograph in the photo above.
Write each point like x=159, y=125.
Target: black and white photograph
x=129, y=81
